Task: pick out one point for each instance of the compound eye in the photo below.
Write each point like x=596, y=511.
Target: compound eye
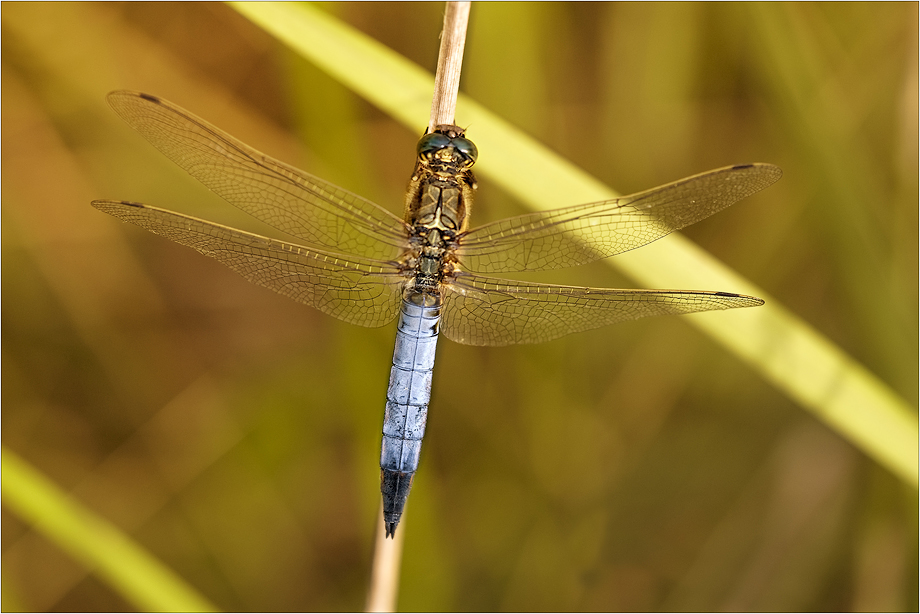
x=431, y=143
x=467, y=148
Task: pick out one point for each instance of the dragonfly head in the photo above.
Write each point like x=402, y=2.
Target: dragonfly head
x=443, y=153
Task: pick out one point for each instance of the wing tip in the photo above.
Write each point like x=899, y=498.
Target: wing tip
x=752, y=301
x=119, y=209
x=775, y=172
x=109, y=206
x=149, y=97
x=117, y=98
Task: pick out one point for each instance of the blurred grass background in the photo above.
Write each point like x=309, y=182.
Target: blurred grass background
x=235, y=434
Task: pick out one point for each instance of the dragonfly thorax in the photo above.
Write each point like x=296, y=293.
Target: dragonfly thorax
x=430, y=263
x=441, y=191
x=440, y=206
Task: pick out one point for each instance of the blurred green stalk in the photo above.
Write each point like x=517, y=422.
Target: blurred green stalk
x=102, y=547
x=784, y=349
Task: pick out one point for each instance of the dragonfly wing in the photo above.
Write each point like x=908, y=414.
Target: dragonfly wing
x=584, y=233
x=282, y=196
x=357, y=290
x=481, y=310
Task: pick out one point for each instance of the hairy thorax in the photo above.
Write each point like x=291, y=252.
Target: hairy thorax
x=438, y=204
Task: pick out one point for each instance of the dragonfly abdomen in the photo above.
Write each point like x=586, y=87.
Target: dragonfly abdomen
x=407, y=401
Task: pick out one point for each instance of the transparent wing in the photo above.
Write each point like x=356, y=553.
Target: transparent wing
x=357, y=290
x=282, y=196
x=481, y=310
x=584, y=233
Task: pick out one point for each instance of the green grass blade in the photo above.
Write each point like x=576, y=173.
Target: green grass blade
x=782, y=347
x=140, y=578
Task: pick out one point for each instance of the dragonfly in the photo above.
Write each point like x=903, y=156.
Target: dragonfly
x=355, y=260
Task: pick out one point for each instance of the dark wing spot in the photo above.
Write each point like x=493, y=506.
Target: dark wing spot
x=740, y=166
x=153, y=99
x=721, y=293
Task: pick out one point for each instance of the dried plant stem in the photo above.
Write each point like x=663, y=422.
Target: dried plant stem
x=450, y=60
x=385, y=568
x=388, y=552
